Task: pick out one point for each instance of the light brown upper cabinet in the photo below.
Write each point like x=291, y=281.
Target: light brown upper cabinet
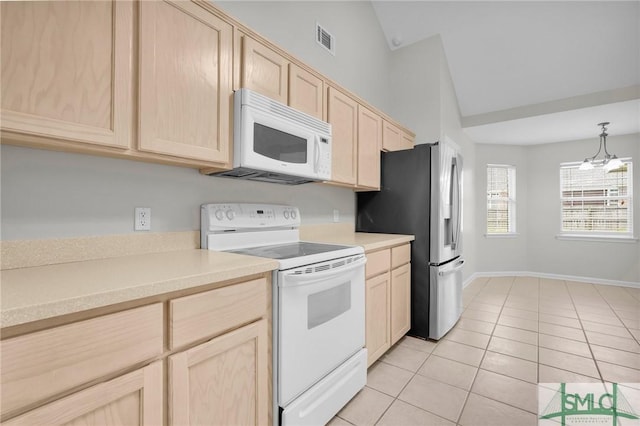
x=305, y=91
x=264, y=70
x=185, y=81
x=342, y=114
x=394, y=138
x=369, y=142
x=66, y=71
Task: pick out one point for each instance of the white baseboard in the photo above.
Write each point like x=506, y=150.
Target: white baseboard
x=550, y=276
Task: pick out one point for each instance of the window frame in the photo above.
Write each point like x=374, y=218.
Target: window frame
x=511, y=201
x=598, y=235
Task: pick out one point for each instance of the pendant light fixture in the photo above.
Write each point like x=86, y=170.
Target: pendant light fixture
x=610, y=162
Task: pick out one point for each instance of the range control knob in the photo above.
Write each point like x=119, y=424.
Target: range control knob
x=286, y=214
x=293, y=214
x=230, y=214
x=219, y=214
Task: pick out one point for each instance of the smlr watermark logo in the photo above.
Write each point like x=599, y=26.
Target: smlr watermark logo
x=574, y=404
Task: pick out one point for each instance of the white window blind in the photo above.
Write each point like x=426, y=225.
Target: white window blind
x=594, y=202
x=501, y=199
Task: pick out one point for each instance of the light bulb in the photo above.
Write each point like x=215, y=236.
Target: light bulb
x=614, y=163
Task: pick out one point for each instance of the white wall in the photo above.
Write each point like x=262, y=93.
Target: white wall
x=361, y=63
x=538, y=170
x=47, y=194
x=424, y=99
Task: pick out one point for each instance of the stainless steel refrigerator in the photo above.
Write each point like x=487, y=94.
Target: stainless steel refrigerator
x=421, y=194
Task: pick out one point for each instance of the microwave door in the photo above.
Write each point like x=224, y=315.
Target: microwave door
x=271, y=144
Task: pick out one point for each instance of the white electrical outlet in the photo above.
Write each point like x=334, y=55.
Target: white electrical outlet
x=336, y=215
x=142, y=219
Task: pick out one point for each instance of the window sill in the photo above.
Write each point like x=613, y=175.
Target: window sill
x=596, y=238
x=505, y=235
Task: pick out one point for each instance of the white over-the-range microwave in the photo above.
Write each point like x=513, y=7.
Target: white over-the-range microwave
x=273, y=142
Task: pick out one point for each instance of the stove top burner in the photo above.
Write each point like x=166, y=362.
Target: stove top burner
x=289, y=250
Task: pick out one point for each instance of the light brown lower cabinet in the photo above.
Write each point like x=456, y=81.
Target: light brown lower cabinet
x=388, y=299
x=131, y=399
x=223, y=381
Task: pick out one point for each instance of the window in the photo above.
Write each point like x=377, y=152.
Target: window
x=501, y=199
x=597, y=203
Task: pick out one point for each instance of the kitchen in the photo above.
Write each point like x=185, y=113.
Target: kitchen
x=48, y=195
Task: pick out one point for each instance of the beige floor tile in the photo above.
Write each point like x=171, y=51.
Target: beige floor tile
x=477, y=306
x=480, y=315
x=609, y=319
x=559, y=320
x=490, y=298
x=523, y=305
x=520, y=313
x=562, y=331
x=505, y=389
x=475, y=325
x=470, y=338
x=570, y=362
x=618, y=373
x=631, y=323
x=564, y=345
x=559, y=311
x=615, y=342
x=388, y=378
x=549, y=374
x=481, y=411
x=510, y=366
x=626, y=314
x=402, y=414
x=337, y=421
x=404, y=357
x=513, y=348
x=606, y=329
x=635, y=333
x=615, y=356
x=449, y=372
x=459, y=352
x=433, y=396
x=524, y=324
x=517, y=334
x=417, y=344
x=366, y=407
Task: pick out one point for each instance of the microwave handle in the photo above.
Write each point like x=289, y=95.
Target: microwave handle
x=316, y=154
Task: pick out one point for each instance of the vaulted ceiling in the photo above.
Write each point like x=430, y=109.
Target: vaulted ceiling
x=532, y=71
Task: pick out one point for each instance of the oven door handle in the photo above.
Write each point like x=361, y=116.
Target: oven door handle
x=293, y=279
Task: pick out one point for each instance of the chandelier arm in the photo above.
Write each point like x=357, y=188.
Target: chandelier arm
x=599, y=149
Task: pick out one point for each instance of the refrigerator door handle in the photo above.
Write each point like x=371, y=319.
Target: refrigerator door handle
x=457, y=267
x=455, y=186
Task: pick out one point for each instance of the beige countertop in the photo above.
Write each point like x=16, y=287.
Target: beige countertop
x=41, y=292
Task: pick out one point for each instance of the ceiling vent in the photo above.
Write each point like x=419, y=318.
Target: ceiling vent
x=325, y=39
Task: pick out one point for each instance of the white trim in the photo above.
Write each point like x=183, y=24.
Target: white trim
x=633, y=284
x=503, y=235
x=596, y=238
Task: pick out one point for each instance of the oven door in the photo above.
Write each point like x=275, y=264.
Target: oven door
x=320, y=322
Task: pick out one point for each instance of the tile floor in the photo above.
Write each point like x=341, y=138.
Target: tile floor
x=514, y=332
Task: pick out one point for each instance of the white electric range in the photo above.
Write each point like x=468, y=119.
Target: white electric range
x=319, y=359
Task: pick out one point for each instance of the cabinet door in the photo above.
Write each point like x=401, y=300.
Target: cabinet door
x=305, y=91
x=343, y=117
x=378, y=338
x=66, y=70
x=400, y=302
x=185, y=81
x=223, y=381
x=131, y=399
x=264, y=70
x=369, y=142
x=394, y=139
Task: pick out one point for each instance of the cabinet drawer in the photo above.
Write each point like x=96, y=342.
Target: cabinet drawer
x=40, y=365
x=206, y=314
x=378, y=262
x=400, y=255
